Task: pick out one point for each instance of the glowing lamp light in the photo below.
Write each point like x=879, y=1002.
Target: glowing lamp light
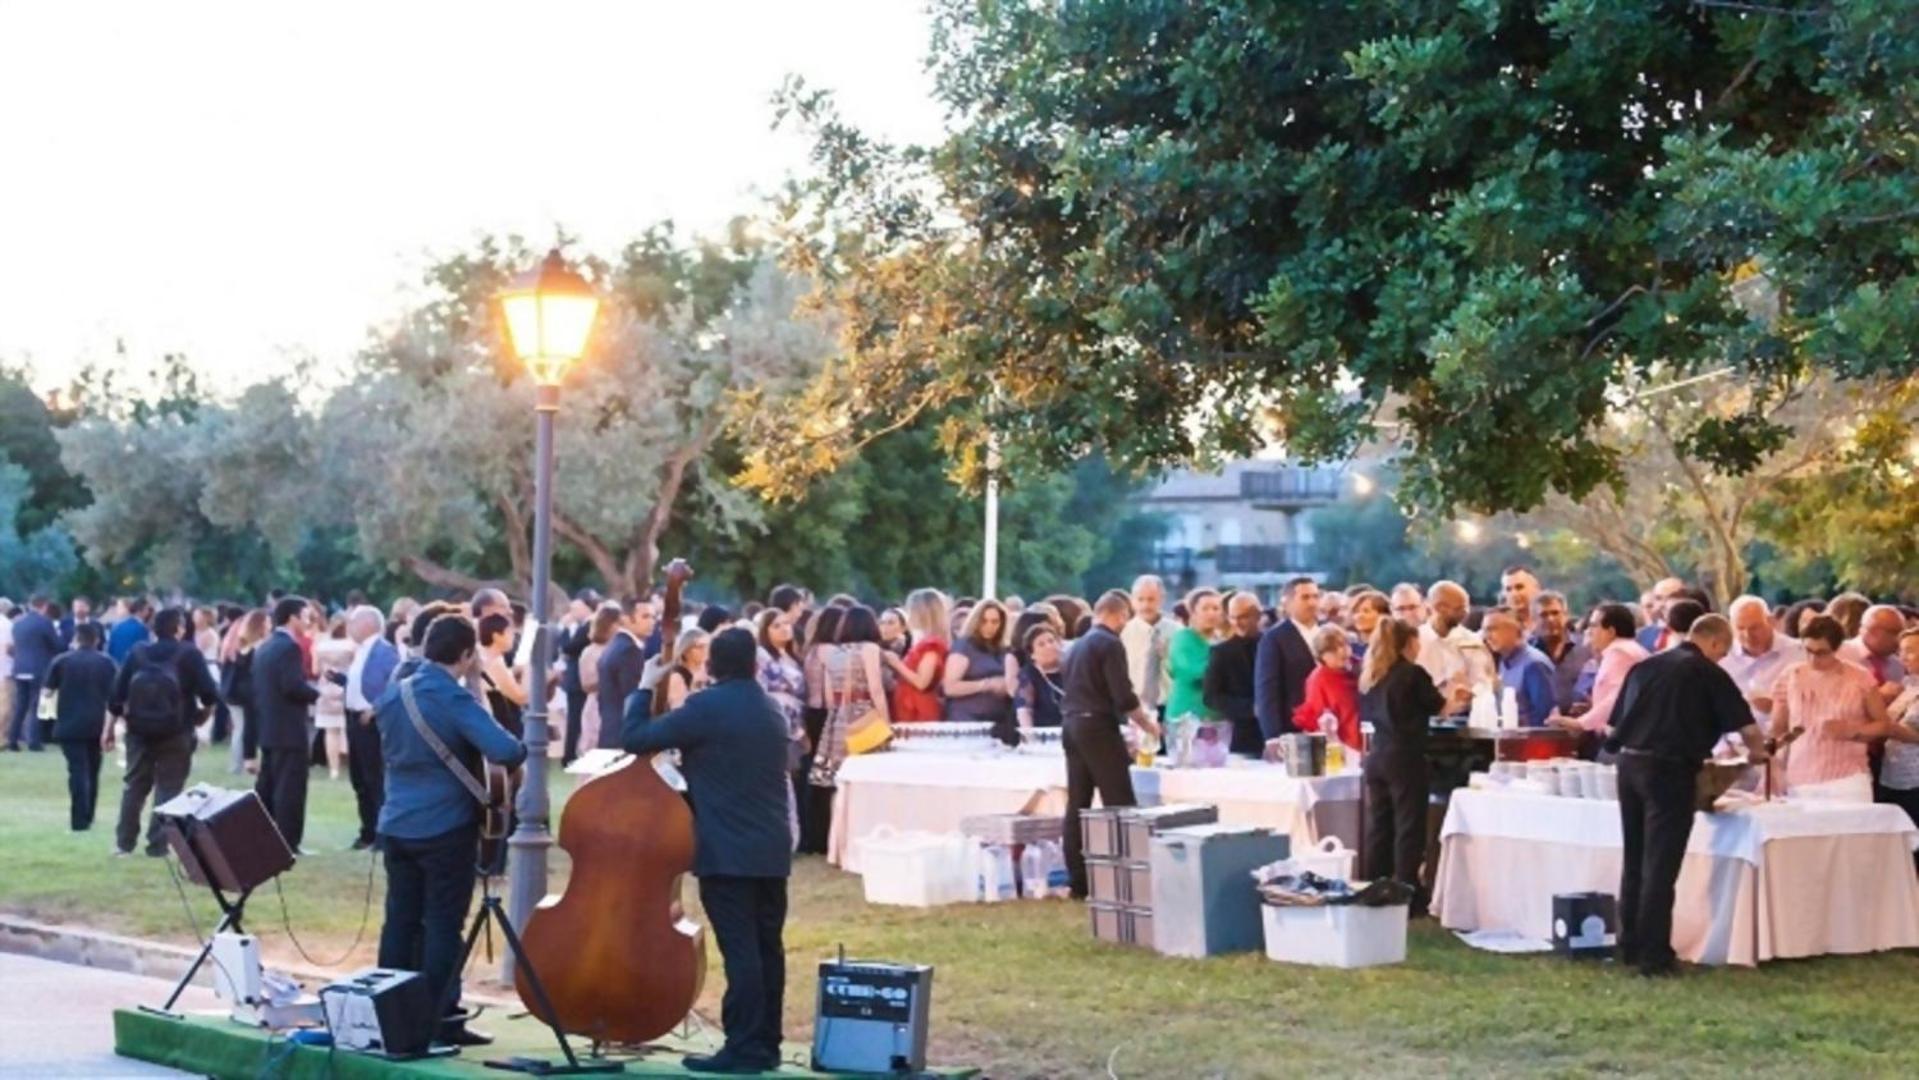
x=1363, y=485
x=1468, y=532
x=549, y=315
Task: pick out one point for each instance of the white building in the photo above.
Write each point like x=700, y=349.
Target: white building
x=1243, y=526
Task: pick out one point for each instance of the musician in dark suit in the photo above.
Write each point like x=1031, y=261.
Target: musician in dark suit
x=282, y=704
x=429, y=821
x=36, y=641
x=1285, y=658
x=622, y=666
x=733, y=751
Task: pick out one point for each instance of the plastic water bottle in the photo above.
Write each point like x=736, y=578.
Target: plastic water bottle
x=1032, y=873
x=985, y=889
x=1004, y=881
x=1059, y=883
x=1509, y=708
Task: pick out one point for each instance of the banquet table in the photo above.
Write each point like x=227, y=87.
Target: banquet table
x=934, y=791
x=1764, y=881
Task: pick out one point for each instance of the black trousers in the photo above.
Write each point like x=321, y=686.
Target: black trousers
x=748, y=917
x=1096, y=762
x=1398, y=788
x=429, y=886
x=282, y=786
x=575, y=707
x=24, y=724
x=1655, y=816
x=83, y=781
x=366, y=769
x=1907, y=800
x=158, y=767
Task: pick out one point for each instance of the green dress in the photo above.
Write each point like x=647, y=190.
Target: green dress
x=1186, y=670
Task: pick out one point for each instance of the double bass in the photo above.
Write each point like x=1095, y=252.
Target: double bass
x=615, y=952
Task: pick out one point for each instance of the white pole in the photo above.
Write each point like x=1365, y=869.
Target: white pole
x=989, y=574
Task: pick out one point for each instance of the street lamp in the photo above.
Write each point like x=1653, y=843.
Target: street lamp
x=549, y=313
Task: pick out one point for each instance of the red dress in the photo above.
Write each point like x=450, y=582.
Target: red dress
x=1330, y=691
x=910, y=704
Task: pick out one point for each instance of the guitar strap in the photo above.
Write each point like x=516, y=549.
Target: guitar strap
x=446, y=757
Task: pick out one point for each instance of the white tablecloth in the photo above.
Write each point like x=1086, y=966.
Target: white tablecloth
x=1766, y=882
x=934, y=792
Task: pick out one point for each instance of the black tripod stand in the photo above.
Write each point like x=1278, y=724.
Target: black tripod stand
x=230, y=916
x=491, y=911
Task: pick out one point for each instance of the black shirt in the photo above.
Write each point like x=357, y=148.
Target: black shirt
x=1676, y=704
x=84, y=680
x=1228, y=685
x=1097, y=683
x=1400, y=706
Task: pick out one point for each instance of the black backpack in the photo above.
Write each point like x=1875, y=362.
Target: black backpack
x=153, y=699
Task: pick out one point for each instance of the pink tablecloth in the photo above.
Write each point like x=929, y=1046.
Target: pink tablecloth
x=1767, y=882
x=934, y=792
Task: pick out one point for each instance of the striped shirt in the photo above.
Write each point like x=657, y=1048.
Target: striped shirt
x=1817, y=699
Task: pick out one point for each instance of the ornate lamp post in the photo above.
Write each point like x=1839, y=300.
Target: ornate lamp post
x=549, y=314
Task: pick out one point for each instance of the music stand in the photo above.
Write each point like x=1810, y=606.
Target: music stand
x=226, y=841
x=493, y=910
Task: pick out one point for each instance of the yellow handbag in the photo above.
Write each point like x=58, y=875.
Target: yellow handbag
x=871, y=732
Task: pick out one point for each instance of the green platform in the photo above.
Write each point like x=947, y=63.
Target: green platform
x=217, y=1047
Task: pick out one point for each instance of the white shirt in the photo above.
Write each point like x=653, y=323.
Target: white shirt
x=1146, y=645
x=1305, y=632
x=6, y=647
x=355, y=694
x=1756, y=674
x=1458, y=657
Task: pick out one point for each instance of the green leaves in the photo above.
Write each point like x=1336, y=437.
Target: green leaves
x=1450, y=231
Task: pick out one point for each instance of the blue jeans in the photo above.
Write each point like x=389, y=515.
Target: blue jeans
x=25, y=719
x=429, y=886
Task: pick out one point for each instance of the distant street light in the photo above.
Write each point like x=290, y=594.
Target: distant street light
x=549, y=315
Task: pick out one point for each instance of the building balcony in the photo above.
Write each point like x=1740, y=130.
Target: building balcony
x=1289, y=487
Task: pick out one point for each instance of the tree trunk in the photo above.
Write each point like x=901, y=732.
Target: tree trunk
x=448, y=578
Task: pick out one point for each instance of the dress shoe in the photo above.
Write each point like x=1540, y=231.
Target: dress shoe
x=362, y=845
x=461, y=1035
x=726, y=1063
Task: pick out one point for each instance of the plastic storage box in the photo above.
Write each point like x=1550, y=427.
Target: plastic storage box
x=1137, y=825
x=1343, y=936
x=1202, y=890
x=916, y=869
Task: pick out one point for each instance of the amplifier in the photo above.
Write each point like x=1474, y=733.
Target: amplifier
x=224, y=839
x=872, y=1017
x=382, y=1011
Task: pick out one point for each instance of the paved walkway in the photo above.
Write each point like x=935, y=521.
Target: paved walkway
x=59, y=1019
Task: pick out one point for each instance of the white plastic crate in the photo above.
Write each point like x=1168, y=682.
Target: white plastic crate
x=916, y=869
x=1342, y=936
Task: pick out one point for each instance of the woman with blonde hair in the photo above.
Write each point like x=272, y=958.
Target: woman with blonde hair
x=687, y=674
x=1398, y=698
x=332, y=656
x=916, y=691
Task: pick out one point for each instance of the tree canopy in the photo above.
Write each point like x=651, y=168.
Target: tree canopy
x=1459, y=231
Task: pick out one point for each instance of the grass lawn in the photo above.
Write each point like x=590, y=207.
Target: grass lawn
x=1022, y=990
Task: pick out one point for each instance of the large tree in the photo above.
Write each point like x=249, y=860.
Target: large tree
x=1454, y=229
x=431, y=446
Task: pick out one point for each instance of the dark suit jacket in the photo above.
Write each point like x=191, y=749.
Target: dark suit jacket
x=622, y=663
x=732, y=742
x=282, y=700
x=36, y=641
x=571, y=647
x=68, y=628
x=84, y=680
x=1280, y=667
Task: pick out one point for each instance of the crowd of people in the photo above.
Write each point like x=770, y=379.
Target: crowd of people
x=290, y=687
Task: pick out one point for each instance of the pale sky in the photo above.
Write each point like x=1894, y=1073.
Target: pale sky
x=257, y=184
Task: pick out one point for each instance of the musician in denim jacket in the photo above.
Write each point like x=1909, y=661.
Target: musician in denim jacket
x=430, y=821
